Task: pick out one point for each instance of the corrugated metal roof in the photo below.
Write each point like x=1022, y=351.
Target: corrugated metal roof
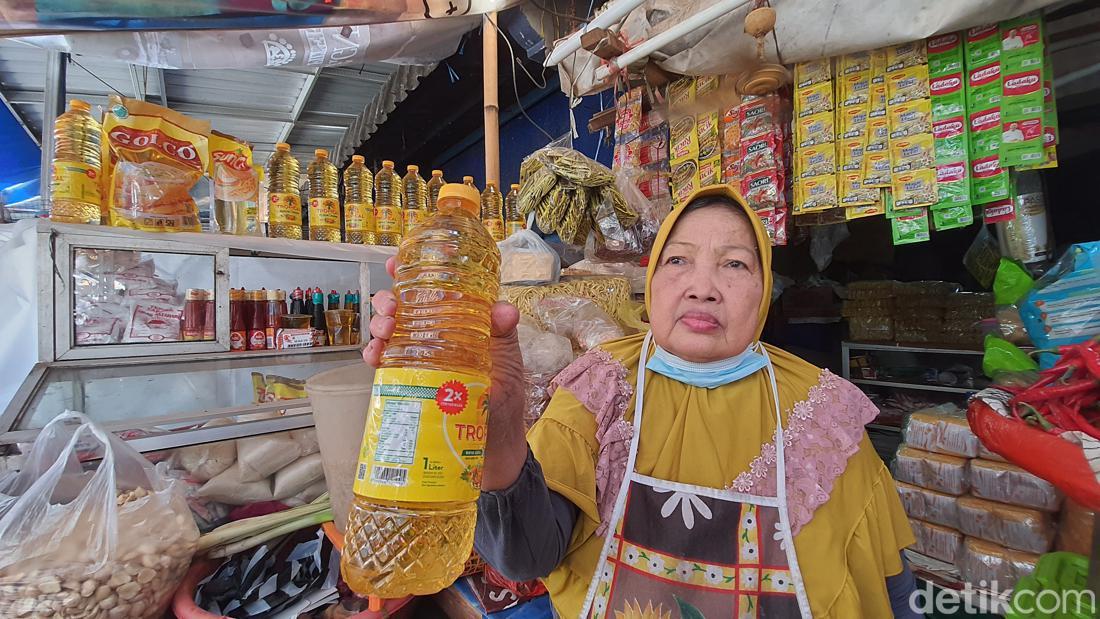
x=334, y=108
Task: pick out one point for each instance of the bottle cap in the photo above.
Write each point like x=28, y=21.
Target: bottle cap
x=281, y=294
x=467, y=179
x=320, y=153
x=282, y=147
x=489, y=184
x=195, y=294
x=237, y=294
x=332, y=292
x=438, y=173
x=387, y=164
x=515, y=185
x=257, y=295
x=79, y=104
x=357, y=159
x=468, y=195
x=273, y=295
x=413, y=168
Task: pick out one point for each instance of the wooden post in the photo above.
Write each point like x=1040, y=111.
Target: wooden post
x=492, y=105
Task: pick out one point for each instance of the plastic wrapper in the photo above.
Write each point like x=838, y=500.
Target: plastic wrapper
x=229, y=488
x=929, y=505
x=259, y=457
x=938, y=542
x=156, y=157
x=629, y=270
x=295, y=477
x=939, y=472
x=204, y=462
x=1018, y=528
x=526, y=259
x=944, y=430
x=612, y=294
x=153, y=322
x=1007, y=483
x=1075, y=531
x=118, y=297
x=980, y=561
x=236, y=186
x=1064, y=306
x=544, y=355
x=80, y=543
x=580, y=320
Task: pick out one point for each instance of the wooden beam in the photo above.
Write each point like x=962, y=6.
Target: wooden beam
x=491, y=99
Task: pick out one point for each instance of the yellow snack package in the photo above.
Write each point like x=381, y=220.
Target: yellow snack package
x=683, y=139
x=818, y=193
x=813, y=72
x=878, y=134
x=878, y=99
x=876, y=169
x=852, y=191
x=156, y=157
x=915, y=188
x=853, y=122
x=913, y=153
x=816, y=160
x=907, y=84
x=815, y=129
x=867, y=210
x=815, y=99
x=855, y=88
x=910, y=118
x=878, y=67
x=681, y=93
x=853, y=63
x=850, y=154
x=906, y=55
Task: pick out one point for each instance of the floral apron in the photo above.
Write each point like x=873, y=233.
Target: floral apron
x=693, y=552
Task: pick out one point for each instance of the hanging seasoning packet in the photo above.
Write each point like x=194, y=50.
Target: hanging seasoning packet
x=910, y=228
x=953, y=217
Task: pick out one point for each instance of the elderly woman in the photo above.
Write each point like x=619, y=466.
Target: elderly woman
x=649, y=486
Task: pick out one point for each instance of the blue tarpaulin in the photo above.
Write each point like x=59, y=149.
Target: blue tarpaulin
x=20, y=159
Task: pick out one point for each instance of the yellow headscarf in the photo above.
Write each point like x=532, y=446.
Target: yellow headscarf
x=708, y=437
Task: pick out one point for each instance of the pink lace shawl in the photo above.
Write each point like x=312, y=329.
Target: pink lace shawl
x=823, y=431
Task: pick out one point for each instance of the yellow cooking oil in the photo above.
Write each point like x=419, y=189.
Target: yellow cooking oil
x=411, y=525
x=492, y=205
x=416, y=198
x=434, y=185
x=359, y=203
x=513, y=220
x=469, y=182
x=76, y=181
x=388, y=217
x=284, y=203
x=324, y=198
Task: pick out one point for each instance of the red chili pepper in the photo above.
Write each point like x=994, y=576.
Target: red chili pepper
x=1091, y=358
x=1042, y=382
x=1084, y=426
x=1058, y=391
x=1062, y=366
x=1062, y=417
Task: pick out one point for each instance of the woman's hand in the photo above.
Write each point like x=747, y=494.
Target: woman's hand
x=506, y=448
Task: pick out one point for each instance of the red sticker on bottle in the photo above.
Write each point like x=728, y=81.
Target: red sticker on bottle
x=452, y=397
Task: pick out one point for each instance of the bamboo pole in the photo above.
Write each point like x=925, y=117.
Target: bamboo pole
x=492, y=104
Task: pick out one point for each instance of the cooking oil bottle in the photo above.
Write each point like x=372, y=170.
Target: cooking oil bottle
x=284, y=203
x=491, y=207
x=76, y=182
x=388, y=219
x=416, y=199
x=410, y=529
x=324, y=198
x=434, y=185
x=513, y=221
x=469, y=182
x=359, y=203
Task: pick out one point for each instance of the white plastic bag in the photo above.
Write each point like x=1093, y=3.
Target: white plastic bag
x=526, y=259
x=580, y=320
x=76, y=543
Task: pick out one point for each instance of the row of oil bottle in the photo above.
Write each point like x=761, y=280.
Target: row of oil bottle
x=378, y=209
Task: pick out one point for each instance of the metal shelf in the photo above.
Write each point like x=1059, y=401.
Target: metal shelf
x=212, y=356
x=916, y=349
x=882, y=428
x=882, y=383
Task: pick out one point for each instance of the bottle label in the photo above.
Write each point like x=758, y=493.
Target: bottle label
x=257, y=339
x=324, y=213
x=269, y=337
x=359, y=217
x=284, y=208
x=77, y=181
x=425, y=436
x=495, y=227
x=512, y=227
x=414, y=217
x=388, y=219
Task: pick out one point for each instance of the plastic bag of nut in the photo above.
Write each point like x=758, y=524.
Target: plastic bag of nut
x=108, y=543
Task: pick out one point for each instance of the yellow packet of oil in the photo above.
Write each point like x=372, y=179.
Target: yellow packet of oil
x=914, y=188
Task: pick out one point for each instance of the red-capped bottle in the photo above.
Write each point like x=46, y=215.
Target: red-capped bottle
x=257, y=327
x=194, y=314
x=238, y=320
x=274, y=307
x=210, y=321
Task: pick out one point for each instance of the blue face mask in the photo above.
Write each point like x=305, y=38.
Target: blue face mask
x=706, y=375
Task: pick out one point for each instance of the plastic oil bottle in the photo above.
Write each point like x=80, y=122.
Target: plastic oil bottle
x=76, y=181
x=491, y=207
x=434, y=185
x=416, y=199
x=469, y=182
x=513, y=220
x=388, y=218
x=324, y=198
x=359, y=203
x=411, y=525
x=284, y=203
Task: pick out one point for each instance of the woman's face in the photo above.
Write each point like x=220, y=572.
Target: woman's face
x=707, y=287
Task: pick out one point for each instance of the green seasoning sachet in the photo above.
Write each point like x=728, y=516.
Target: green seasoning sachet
x=910, y=228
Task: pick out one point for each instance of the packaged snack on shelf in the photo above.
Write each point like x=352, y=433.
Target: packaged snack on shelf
x=907, y=84
x=951, y=140
x=915, y=188
x=758, y=154
x=1075, y=529
x=653, y=147
x=867, y=210
x=989, y=182
x=980, y=561
x=628, y=116
x=579, y=319
x=1007, y=483
x=929, y=505
x=1062, y=307
x=816, y=160
x=939, y=472
x=775, y=223
x=983, y=45
x=938, y=542
x=156, y=156
x=905, y=55
x=710, y=171
x=762, y=189
x=855, y=62
x=812, y=130
x=1022, y=105
x=854, y=194
x=153, y=322
x=1022, y=42
x=910, y=119
x=681, y=93
x=952, y=217
x=706, y=86
x=526, y=259
x=853, y=123
x=1001, y=210
x=948, y=96
x=757, y=116
x=945, y=54
x=815, y=99
x=943, y=429
x=731, y=128
x=818, y=193
x=983, y=87
x=878, y=134
x=912, y=153
x=876, y=169
x=854, y=89
x=1011, y=526
x=952, y=186
x=683, y=139
x=848, y=151
x=813, y=72
x=708, y=130
x=684, y=180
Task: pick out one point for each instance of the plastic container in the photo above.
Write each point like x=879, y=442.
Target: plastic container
x=76, y=184
x=284, y=203
x=388, y=218
x=513, y=220
x=416, y=198
x=411, y=525
x=359, y=225
x=435, y=183
x=324, y=198
x=492, y=207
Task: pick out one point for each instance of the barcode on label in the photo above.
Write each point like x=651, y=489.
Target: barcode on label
x=362, y=472
x=389, y=476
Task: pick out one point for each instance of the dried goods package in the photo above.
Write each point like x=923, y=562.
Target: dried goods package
x=1006, y=483
x=229, y=488
x=938, y=542
x=980, y=561
x=205, y=462
x=1018, y=528
x=929, y=505
x=580, y=320
x=1075, y=531
x=295, y=477
x=526, y=259
x=77, y=544
x=942, y=430
x=939, y=472
x=259, y=457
